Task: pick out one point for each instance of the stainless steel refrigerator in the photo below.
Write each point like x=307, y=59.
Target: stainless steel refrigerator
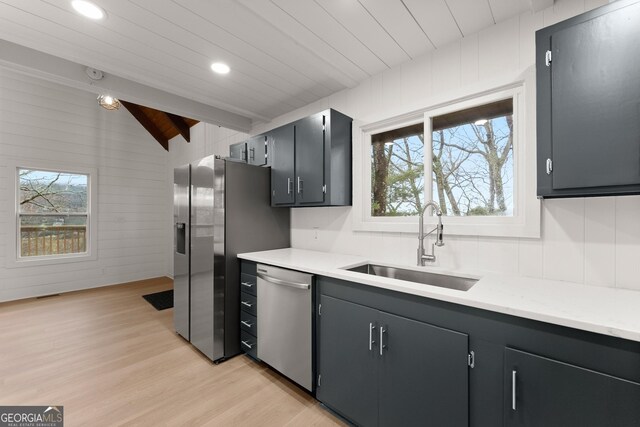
x=221, y=208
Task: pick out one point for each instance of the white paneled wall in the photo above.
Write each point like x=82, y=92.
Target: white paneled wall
x=46, y=122
x=206, y=140
x=591, y=241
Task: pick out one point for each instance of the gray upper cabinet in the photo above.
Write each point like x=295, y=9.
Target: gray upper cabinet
x=310, y=161
x=310, y=153
x=238, y=151
x=588, y=97
x=282, y=160
x=257, y=150
x=544, y=392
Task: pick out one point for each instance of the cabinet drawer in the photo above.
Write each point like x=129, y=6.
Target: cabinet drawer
x=248, y=267
x=248, y=303
x=249, y=344
x=249, y=323
x=248, y=283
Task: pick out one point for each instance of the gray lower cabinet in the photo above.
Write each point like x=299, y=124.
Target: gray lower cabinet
x=248, y=309
x=545, y=392
x=430, y=375
x=424, y=376
x=379, y=369
x=347, y=364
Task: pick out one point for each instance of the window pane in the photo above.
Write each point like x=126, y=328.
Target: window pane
x=397, y=171
x=52, y=192
x=473, y=167
x=42, y=235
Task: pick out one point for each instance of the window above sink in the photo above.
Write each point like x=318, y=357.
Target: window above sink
x=468, y=155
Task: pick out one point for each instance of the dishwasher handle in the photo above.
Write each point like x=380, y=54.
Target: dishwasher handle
x=281, y=282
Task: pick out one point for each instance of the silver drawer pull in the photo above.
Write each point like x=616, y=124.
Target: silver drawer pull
x=371, y=341
x=514, y=373
x=382, y=345
x=247, y=284
x=247, y=324
x=246, y=304
x=247, y=344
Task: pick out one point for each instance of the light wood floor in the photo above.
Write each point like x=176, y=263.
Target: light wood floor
x=111, y=359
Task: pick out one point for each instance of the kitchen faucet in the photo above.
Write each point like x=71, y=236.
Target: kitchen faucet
x=422, y=257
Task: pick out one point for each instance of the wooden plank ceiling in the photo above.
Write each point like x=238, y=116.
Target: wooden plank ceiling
x=283, y=54
x=161, y=125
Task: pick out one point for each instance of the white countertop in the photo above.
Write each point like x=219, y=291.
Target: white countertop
x=608, y=311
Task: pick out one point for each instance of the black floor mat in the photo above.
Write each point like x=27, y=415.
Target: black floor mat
x=160, y=300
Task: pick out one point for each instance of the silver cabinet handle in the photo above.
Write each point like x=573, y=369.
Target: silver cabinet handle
x=300, y=181
x=246, y=303
x=252, y=156
x=371, y=341
x=283, y=282
x=247, y=344
x=247, y=324
x=382, y=346
x=514, y=373
x=289, y=185
x=549, y=166
x=247, y=284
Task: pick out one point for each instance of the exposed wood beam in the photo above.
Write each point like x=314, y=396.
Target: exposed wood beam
x=142, y=118
x=181, y=126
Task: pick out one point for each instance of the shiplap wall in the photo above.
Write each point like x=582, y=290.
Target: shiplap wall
x=592, y=241
x=46, y=122
x=206, y=140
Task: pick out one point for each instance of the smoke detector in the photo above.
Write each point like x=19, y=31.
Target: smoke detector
x=94, y=74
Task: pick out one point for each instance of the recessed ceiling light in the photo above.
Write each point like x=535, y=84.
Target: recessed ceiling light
x=88, y=9
x=220, y=68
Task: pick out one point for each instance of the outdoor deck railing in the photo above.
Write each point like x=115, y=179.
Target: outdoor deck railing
x=52, y=240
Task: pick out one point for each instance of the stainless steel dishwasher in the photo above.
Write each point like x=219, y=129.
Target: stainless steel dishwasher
x=284, y=322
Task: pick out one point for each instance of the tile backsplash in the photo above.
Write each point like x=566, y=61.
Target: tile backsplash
x=594, y=241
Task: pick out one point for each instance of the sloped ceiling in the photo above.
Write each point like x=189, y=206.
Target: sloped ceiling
x=283, y=54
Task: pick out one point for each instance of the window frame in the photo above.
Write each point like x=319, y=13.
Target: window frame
x=525, y=221
x=14, y=259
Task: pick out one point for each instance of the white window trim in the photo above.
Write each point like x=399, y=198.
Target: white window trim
x=526, y=219
x=13, y=258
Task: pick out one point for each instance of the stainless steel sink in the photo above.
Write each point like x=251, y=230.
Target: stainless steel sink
x=423, y=277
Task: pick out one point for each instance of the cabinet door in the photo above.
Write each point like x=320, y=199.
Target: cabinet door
x=424, y=377
x=347, y=362
x=256, y=151
x=549, y=393
x=238, y=151
x=282, y=165
x=595, y=98
x=310, y=160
